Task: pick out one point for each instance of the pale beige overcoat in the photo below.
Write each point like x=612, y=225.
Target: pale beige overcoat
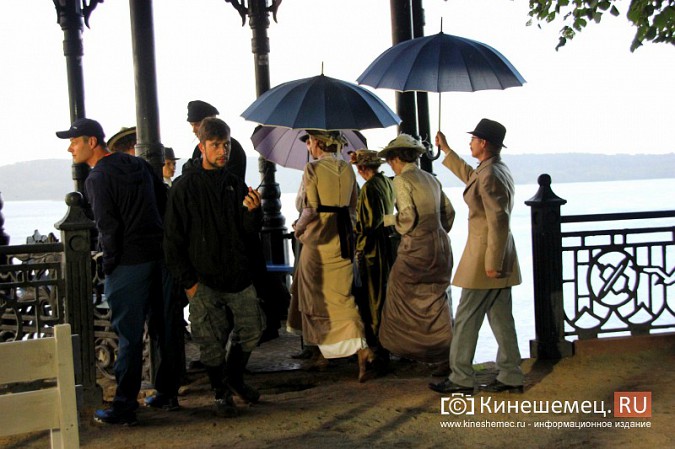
x=323, y=278
x=489, y=193
x=416, y=318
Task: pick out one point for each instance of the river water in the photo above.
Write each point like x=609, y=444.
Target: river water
x=22, y=218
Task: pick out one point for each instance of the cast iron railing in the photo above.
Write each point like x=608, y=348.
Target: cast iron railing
x=609, y=281
x=47, y=283
x=617, y=280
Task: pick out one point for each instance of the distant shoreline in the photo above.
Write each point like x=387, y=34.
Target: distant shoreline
x=50, y=179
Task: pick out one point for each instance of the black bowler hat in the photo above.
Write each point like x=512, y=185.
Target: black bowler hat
x=198, y=110
x=169, y=155
x=83, y=127
x=491, y=131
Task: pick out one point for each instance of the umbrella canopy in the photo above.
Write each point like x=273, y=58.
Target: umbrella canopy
x=284, y=147
x=321, y=103
x=441, y=63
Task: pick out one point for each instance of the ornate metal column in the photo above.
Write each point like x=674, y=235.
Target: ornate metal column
x=423, y=123
x=274, y=243
x=148, y=144
x=72, y=15
x=549, y=316
x=402, y=30
x=79, y=306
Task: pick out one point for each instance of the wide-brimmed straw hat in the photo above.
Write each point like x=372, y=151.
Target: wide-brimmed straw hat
x=125, y=136
x=328, y=137
x=401, y=142
x=365, y=157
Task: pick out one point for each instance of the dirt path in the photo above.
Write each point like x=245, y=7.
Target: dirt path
x=301, y=409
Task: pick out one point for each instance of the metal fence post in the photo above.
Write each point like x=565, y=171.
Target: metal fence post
x=547, y=273
x=4, y=238
x=75, y=230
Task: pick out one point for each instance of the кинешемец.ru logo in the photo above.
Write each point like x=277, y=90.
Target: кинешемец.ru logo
x=633, y=404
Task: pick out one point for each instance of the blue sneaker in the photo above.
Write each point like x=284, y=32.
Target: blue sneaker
x=162, y=401
x=116, y=416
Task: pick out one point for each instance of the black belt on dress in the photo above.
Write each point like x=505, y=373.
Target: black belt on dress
x=345, y=229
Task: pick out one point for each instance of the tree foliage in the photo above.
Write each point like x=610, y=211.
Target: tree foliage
x=654, y=19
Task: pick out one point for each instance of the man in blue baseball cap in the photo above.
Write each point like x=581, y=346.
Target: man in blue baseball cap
x=127, y=200
x=87, y=144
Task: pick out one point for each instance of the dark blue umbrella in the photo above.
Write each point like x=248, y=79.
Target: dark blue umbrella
x=321, y=103
x=284, y=147
x=441, y=63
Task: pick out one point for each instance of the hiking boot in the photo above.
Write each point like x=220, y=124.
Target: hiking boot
x=116, y=416
x=225, y=407
x=163, y=402
x=234, y=379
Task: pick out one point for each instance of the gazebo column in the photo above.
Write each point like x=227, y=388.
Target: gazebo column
x=148, y=142
x=274, y=241
x=71, y=18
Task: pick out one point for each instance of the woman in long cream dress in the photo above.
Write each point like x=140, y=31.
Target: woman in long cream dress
x=330, y=318
x=416, y=320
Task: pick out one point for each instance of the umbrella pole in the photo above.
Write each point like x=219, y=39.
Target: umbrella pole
x=439, y=111
x=430, y=155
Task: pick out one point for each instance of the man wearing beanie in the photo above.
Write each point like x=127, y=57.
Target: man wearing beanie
x=198, y=110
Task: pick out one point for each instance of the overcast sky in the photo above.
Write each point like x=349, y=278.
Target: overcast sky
x=591, y=96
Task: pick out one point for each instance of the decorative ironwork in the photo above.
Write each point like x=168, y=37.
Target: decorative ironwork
x=105, y=343
x=242, y=9
x=618, y=280
x=31, y=289
x=86, y=8
x=32, y=298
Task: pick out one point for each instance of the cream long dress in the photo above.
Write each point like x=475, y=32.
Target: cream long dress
x=416, y=317
x=330, y=318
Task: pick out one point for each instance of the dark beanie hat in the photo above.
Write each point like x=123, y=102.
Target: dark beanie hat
x=198, y=110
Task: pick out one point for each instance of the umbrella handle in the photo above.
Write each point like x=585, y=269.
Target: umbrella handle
x=431, y=156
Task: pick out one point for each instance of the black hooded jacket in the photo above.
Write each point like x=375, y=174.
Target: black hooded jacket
x=208, y=231
x=127, y=199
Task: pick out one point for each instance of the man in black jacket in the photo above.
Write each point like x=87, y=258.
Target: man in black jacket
x=127, y=200
x=198, y=110
x=210, y=217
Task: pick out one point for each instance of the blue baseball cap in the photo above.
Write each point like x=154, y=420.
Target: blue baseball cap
x=83, y=127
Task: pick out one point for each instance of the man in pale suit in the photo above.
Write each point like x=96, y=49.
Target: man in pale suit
x=489, y=265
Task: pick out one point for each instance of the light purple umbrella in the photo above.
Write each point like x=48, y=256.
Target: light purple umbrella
x=284, y=147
